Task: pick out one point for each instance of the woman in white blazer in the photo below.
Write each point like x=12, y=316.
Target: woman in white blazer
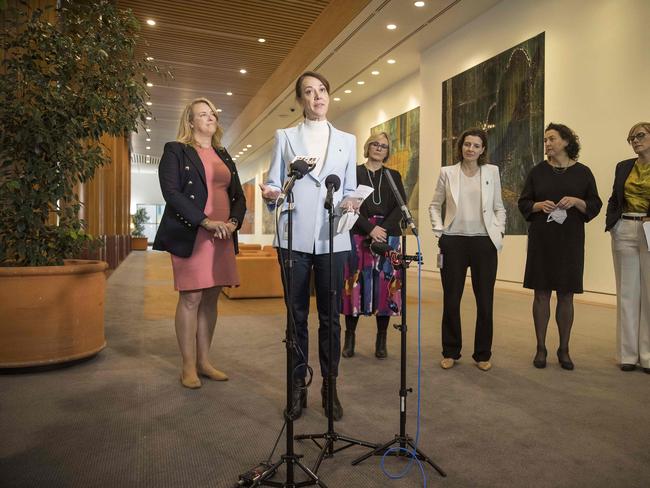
x=470, y=236
x=336, y=153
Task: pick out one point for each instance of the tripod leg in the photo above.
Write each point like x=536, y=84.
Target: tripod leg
x=311, y=475
x=426, y=458
x=376, y=452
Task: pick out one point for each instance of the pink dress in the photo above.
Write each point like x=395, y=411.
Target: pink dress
x=212, y=262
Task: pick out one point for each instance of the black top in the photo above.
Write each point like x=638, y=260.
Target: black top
x=617, y=200
x=182, y=181
x=388, y=206
x=555, y=257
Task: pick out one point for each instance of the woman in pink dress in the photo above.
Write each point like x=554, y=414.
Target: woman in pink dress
x=205, y=208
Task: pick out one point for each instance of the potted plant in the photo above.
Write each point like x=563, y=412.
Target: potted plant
x=64, y=85
x=139, y=241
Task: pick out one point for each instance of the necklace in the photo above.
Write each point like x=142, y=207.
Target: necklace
x=558, y=170
x=381, y=176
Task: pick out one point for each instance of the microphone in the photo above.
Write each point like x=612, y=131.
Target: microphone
x=396, y=259
x=298, y=169
x=406, y=214
x=333, y=183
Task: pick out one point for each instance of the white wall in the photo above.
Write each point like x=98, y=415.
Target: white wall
x=145, y=188
x=595, y=61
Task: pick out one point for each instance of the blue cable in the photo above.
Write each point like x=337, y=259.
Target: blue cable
x=412, y=454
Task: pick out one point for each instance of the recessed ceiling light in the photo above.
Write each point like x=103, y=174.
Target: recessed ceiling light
x=245, y=149
x=149, y=84
x=148, y=118
x=148, y=130
x=337, y=99
x=261, y=39
x=243, y=71
x=219, y=110
x=391, y=27
x=361, y=82
x=375, y=73
x=347, y=91
x=148, y=147
x=149, y=104
x=249, y=145
x=151, y=22
x=391, y=61
x=419, y=4
x=149, y=58
x=229, y=94
x=148, y=139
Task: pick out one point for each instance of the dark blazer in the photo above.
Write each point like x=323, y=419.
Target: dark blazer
x=182, y=181
x=617, y=200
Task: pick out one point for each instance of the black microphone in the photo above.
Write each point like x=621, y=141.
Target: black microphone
x=400, y=201
x=298, y=169
x=396, y=259
x=332, y=183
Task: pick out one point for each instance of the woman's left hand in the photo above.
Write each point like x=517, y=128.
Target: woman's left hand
x=566, y=203
x=350, y=204
x=224, y=230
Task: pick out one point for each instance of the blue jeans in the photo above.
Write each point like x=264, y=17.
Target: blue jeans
x=302, y=269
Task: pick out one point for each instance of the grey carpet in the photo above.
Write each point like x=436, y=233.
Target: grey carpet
x=122, y=419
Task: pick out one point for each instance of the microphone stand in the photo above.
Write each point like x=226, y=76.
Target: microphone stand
x=290, y=458
x=403, y=440
x=330, y=437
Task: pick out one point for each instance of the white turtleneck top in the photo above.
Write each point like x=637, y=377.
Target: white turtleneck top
x=316, y=135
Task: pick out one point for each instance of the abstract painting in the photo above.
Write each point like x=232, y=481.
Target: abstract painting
x=505, y=96
x=404, y=138
x=248, y=226
x=268, y=217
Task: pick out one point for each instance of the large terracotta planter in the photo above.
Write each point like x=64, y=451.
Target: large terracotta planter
x=51, y=314
x=139, y=243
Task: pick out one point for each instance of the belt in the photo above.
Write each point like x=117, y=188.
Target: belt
x=633, y=217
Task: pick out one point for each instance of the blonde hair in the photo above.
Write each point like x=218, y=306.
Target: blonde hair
x=375, y=138
x=637, y=126
x=185, y=133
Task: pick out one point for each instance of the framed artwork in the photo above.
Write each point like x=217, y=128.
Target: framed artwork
x=248, y=226
x=268, y=217
x=404, y=135
x=504, y=96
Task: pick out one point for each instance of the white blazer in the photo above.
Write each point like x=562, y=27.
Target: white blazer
x=447, y=191
x=309, y=217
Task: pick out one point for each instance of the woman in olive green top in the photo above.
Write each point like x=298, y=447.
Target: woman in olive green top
x=627, y=210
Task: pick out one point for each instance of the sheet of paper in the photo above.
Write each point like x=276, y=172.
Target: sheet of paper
x=362, y=192
x=646, y=230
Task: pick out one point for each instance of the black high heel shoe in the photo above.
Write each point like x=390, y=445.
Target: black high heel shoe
x=540, y=358
x=565, y=363
x=298, y=400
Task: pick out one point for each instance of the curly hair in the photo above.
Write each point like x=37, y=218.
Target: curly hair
x=483, y=158
x=573, y=147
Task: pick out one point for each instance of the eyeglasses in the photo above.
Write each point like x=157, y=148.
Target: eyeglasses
x=378, y=145
x=638, y=136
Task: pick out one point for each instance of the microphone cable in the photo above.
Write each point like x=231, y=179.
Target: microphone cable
x=412, y=453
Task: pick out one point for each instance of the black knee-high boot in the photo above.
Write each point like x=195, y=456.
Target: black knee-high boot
x=350, y=329
x=380, y=343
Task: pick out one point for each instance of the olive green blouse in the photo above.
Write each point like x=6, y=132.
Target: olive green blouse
x=637, y=189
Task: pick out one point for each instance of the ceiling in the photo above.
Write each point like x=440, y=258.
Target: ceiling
x=206, y=43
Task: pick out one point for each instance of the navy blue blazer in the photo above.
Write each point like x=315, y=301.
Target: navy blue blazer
x=182, y=181
x=616, y=201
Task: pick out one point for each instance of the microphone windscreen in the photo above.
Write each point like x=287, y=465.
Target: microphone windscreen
x=301, y=166
x=380, y=248
x=334, y=181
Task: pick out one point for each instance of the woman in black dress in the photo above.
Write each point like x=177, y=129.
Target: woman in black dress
x=559, y=196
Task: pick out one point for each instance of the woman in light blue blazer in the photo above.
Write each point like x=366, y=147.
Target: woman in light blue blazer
x=336, y=155
x=470, y=237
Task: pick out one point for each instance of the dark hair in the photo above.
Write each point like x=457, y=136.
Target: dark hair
x=483, y=158
x=313, y=74
x=573, y=148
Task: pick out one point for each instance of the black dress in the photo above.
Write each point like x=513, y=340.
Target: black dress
x=555, y=257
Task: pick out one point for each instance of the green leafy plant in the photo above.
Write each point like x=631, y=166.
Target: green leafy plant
x=63, y=86
x=139, y=218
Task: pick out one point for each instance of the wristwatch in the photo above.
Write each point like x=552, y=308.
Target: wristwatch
x=234, y=221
